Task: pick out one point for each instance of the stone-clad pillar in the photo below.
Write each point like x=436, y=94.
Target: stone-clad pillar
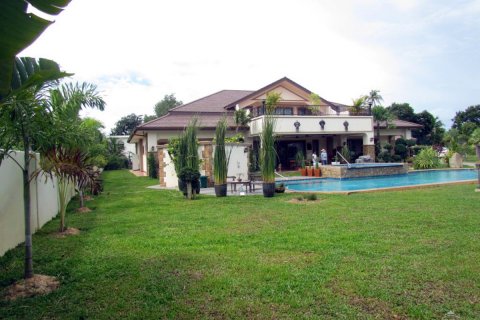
x=207, y=163
x=369, y=150
x=161, y=165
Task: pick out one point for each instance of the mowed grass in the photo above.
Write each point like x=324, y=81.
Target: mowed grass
x=152, y=254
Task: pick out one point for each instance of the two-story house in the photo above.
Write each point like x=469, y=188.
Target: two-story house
x=302, y=124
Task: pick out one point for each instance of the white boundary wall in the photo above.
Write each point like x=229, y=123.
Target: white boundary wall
x=44, y=201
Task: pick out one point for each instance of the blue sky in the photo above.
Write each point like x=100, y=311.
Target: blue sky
x=421, y=52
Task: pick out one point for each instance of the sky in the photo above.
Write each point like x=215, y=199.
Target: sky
x=425, y=53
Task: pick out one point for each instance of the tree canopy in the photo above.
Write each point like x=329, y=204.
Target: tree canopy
x=471, y=114
x=402, y=111
x=127, y=124
x=168, y=102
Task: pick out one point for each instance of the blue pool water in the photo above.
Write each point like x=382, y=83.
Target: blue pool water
x=355, y=184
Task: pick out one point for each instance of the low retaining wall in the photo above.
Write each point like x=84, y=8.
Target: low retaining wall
x=356, y=172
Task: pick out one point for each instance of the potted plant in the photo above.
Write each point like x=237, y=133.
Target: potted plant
x=220, y=165
x=303, y=169
x=317, y=172
x=309, y=171
x=268, y=154
x=335, y=160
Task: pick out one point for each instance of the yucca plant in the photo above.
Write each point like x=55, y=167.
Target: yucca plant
x=220, y=163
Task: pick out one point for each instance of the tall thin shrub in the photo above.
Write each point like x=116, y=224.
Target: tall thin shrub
x=220, y=164
x=267, y=151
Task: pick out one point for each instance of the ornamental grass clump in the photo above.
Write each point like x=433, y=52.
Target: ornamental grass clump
x=426, y=159
x=220, y=163
x=267, y=155
x=184, y=154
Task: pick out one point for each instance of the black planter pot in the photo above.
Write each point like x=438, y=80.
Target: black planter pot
x=182, y=186
x=268, y=189
x=221, y=190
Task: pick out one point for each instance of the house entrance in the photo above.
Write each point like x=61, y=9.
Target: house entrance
x=286, y=152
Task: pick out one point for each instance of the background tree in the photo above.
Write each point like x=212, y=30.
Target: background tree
x=432, y=130
x=147, y=117
x=19, y=29
x=402, y=111
x=126, y=125
x=381, y=114
x=471, y=114
x=475, y=141
x=168, y=102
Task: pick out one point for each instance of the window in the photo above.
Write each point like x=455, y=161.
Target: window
x=283, y=111
x=304, y=112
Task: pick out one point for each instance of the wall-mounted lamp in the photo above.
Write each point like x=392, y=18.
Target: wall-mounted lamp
x=322, y=124
x=153, y=148
x=371, y=139
x=345, y=124
x=297, y=125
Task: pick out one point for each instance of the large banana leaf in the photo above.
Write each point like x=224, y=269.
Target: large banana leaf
x=19, y=29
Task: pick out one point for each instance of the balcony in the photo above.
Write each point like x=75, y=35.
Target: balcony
x=317, y=124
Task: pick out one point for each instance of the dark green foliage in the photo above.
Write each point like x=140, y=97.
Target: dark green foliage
x=116, y=162
x=402, y=111
x=126, y=125
x=168, y=102
x=401, y=149
x=253, y=160
x=220, y=161
x=152, y=166
x=385, y=156
x=471, y=114
x=311, y=197
x=18, y=30
x=189, y=175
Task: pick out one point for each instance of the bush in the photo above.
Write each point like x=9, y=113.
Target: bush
x=152, y=166
x=116, y=162
x=401, y=151
x=385, y=156
x=311, y=197
x=426, y=159
x=397, y=158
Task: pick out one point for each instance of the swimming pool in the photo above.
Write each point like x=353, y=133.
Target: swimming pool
x=394, y=181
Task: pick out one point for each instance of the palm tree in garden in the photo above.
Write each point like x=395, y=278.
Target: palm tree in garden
x=475, y=140
x=26, y=120
x=21, y=28
x=373, y=99
x=358, y=105
x=381, y=114
x=267, y=149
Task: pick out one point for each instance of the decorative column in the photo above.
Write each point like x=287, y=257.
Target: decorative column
x=369, y=149
x=207, y=163
x=161, y=165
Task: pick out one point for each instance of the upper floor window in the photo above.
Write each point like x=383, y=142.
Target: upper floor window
x=304, y=112
x=283, y=111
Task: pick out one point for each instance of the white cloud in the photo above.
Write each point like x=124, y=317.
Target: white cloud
x=139, y=51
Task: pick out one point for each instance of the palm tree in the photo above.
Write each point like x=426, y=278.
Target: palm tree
x=26, y=119
x=19, y=30
x=373, y=99
x=358, y=105
x=381, y=114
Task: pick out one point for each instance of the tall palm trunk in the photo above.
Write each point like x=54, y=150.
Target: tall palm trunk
x=28, y=273
x=62, y=192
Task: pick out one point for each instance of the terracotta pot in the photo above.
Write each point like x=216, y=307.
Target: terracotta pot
x=303, y=171
x=309, y=171
x=317, y=172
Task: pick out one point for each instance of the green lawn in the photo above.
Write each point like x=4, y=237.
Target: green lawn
x=151, y=254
